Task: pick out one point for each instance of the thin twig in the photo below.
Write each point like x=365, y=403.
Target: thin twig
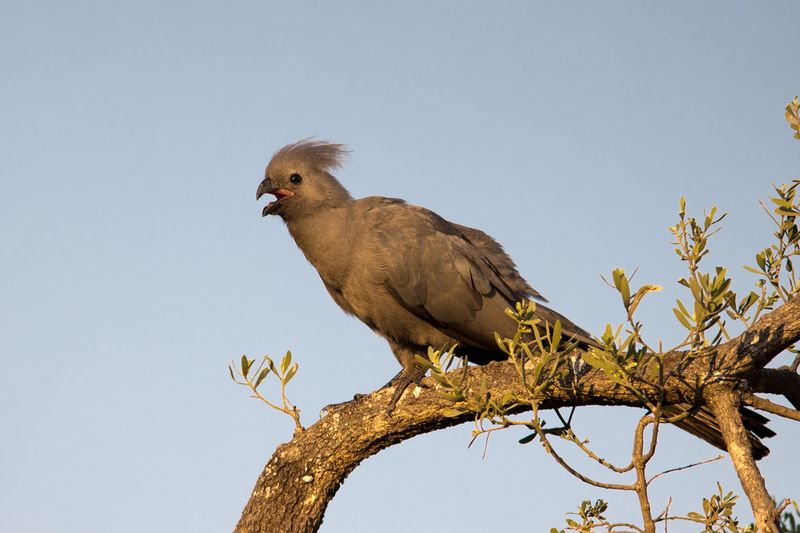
x=486, y=446
x=795, y=364
x=585, y=449
x=549, y=448
x=717, y=458
x=665, y=514
x=768, y=212
x=782, y=507
x=623, y=524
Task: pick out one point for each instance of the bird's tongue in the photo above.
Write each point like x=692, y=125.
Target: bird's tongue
x=279, y=194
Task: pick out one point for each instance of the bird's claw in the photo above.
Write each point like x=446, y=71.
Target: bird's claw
x=401, y=381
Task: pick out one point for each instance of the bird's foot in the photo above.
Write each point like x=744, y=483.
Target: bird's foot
x=401, y=381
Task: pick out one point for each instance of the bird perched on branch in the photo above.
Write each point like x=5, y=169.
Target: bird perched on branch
x=413, y=277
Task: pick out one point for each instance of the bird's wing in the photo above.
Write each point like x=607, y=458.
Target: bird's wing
x=503, y=263
x=457, y=278
x=494, y=252
x=439, y=275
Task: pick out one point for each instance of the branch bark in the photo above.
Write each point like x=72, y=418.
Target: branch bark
x=303, y=475
x=765, y=405
x=783, y=381
x=725, y=404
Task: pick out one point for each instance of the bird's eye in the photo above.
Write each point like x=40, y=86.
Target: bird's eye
x=295, y=178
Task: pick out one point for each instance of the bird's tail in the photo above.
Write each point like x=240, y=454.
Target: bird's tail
x=568, y=328
x=703, y=424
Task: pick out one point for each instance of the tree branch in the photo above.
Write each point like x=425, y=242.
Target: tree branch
x=771, y=407
x=725, y=403
x=783, y=381
x=303, y=475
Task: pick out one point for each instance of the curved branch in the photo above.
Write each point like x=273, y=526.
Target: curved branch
x=771, y=407
x=303, y=475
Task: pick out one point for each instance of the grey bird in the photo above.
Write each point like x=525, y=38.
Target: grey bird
x=413, y=277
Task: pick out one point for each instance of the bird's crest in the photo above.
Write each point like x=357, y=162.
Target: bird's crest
x=323, y=155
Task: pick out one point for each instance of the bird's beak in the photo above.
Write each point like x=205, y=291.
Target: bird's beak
x=265, y=187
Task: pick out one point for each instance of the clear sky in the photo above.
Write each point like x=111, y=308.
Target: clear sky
x=134, y=263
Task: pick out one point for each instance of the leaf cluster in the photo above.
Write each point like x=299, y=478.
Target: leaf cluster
x=590, y=515
x=252, y=376
x=711, y=295
x=717, y=515
x=793, y=116
x=775, y=264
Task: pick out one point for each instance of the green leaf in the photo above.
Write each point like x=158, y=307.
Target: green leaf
x=750, y=300
x=500, y=342
x=290, y=374
x=440, y=378
x=454, y=397
x=593, y=359
x=694, y=286
x=608, y=334
x=760, y=260
x=453, y=412
x=261, y=375
x=230, y=369
x=246, y=365
x=556, y=336
x=781, y=202
x=637, y=298
x=528, y=438
x=621, y=283
x=424, y=361
x=681, y=318
x=286, y=361
x=699, y=312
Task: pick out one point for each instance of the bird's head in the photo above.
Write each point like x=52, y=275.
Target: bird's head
x=298, y=175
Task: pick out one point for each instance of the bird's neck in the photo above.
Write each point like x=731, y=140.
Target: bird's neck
x=325, y=240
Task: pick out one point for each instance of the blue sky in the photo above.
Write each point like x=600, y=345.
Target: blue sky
x=135, y=263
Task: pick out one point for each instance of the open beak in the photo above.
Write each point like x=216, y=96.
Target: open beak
x=265, y=187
